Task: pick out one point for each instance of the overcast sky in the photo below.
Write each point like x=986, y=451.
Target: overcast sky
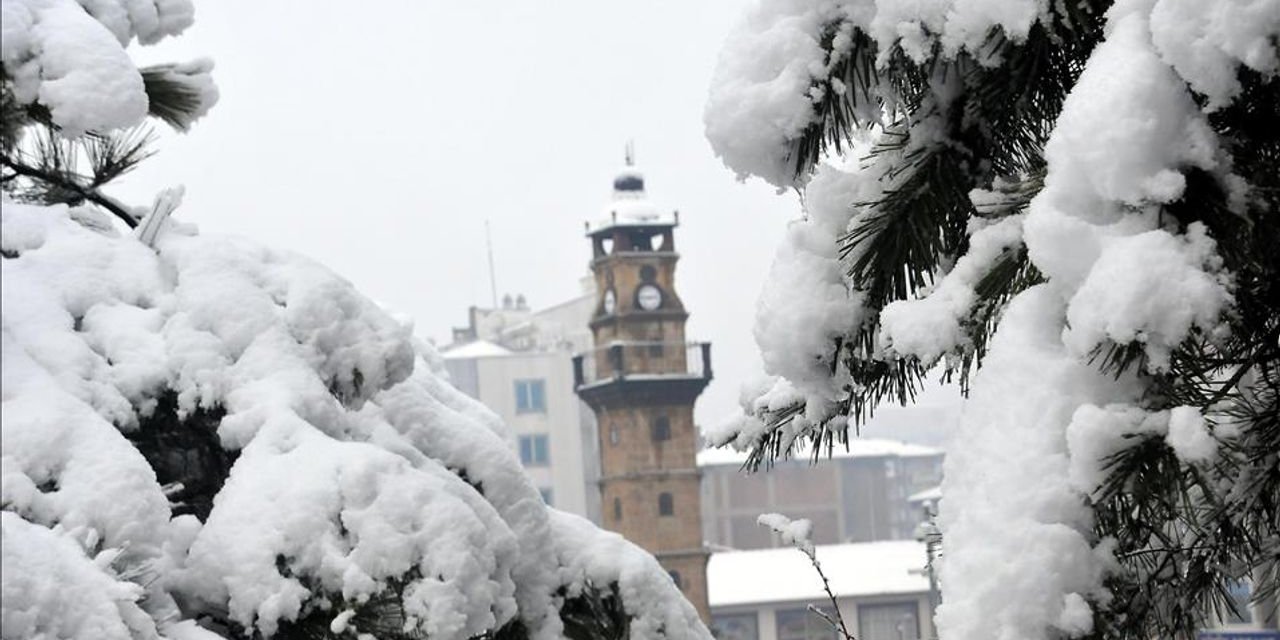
x=378, y=137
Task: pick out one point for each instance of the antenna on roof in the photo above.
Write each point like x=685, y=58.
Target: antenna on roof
x=630, y=153
x=493, y=280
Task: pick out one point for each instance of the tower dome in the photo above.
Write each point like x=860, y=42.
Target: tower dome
x=629, y=180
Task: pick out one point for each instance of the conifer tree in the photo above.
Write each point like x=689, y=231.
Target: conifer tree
x=960, y=134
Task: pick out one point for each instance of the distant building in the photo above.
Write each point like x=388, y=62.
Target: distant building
x=881, y=587
x=862, y=494
x=517, y=362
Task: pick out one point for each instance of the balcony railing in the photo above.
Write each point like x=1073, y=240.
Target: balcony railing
x=639, y=360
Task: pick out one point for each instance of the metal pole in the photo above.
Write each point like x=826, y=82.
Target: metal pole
x=493, y=279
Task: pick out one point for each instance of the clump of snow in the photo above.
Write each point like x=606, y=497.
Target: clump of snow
x=360, y=473
x=194, y=80
x=52, y=589
x=930, y=327
x=1189, y=436
x=760, y=100
x=1096, y=433
x=773, y=67
x=807, y=303
x=759, y=401
x=1205, y=42
x=70, y=57
x=1018, y=545
x=1153, y=288
x=792, y=532
x=588, y=556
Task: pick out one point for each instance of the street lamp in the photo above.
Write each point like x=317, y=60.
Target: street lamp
x=928, y=533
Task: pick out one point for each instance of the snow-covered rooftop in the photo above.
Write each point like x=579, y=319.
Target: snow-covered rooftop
x=858, y=448
x=476, y=349
x=785, y=575
x=630, y=205
x=934, y=495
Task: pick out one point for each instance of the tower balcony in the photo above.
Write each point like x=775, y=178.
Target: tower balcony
x=628, y=372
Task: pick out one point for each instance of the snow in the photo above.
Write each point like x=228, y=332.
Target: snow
x=1016, y=531
x=928, y=495
x=70, y=57
x=196, y=81
x=1205, y=41
x=930, y=327
x=590, y=556
x=794, y=533
x=858, y=569
x=475, y=349
x=358, y=466
x=759, y=98
x=772, y=67
x=806, y=303
x=52, y=589
x=1153, y=288
x=633, y=207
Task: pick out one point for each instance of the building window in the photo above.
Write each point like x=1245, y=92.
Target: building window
x=531, y=396
x=801, y=624
x=666, y=505
x=675, y=577
x=547, y=494
x=735, y=626
x=617, y=508
x=895, y=621
x=614, y=437
x=660, y=429
x=534, y=450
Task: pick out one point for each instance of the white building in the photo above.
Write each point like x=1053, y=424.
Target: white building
x=882, y=590
x=518, y=363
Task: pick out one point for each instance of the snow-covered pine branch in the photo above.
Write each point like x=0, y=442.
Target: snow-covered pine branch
x=1073, y=207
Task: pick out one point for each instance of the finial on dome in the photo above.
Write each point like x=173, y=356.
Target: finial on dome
x=630, y=153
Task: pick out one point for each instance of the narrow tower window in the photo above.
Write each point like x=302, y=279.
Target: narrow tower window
x=675, y=577
x=661, y=429
x=666, y=505
x=617, y=508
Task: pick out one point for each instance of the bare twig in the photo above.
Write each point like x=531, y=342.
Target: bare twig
x=838, y=623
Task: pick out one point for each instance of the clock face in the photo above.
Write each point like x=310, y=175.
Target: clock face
x=610, y=301
x=648, y=297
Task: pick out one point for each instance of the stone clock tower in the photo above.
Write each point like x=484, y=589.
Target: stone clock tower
x=641, y=379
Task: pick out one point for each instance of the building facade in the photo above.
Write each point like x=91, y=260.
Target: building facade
x=518, y=362
x=641, y=380
x=862, y=494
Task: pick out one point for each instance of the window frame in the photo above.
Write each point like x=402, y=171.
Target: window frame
x=533, y=444
x=666, y=504
x=660, y=429
x=746, y=624
x=815, y=628
x=530, y=395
